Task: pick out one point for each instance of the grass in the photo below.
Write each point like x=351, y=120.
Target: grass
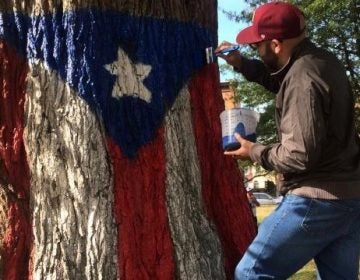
x=263, y=211
x=308, y=272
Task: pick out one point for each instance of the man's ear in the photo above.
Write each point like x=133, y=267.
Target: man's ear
x=276, y=46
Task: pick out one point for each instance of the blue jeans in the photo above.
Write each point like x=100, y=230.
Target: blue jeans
x=301, y=229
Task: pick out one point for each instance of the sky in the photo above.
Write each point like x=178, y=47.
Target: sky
x=227, y=29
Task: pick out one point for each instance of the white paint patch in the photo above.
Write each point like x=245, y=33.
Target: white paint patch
x=130, y=77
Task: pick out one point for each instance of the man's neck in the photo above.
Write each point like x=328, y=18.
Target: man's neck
x=288, y=47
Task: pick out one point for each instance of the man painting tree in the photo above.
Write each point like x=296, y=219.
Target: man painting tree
x=111, y=163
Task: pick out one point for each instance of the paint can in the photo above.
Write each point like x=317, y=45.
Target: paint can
x=238, y=120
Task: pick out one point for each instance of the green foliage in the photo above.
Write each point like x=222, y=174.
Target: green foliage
x=266, y=127
x=242, y=164
x=334, y=25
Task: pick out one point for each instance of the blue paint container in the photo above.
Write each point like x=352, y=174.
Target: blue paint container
x=238, y=120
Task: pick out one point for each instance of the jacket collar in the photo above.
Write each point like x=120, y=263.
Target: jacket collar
x=280, y=74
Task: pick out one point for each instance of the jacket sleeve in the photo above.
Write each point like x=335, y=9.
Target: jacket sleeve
x=255, y=71
x=302, y=127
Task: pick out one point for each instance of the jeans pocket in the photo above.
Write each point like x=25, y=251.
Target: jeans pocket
x=326, y=217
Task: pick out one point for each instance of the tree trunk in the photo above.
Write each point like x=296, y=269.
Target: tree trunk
x=72, y=204
x=110, y=158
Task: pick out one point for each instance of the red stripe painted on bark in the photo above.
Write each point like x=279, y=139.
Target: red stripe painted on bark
x=17, y=241
x=223, y=189
x=145, y=249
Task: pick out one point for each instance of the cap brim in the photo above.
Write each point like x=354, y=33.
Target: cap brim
x=248, y=36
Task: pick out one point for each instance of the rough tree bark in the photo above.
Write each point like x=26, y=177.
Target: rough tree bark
x=110, y=158
x=72, y=219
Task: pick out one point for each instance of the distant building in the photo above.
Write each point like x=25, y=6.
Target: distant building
x=228, y=95
x=256, y=177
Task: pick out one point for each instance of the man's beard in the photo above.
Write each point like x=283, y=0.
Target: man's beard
x=270, y=59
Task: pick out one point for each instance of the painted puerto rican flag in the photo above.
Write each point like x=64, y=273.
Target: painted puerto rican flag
x=110, y=155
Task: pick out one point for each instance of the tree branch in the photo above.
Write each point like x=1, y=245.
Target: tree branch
x=258, y=175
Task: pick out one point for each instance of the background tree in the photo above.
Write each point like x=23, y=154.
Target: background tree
x=110, y=157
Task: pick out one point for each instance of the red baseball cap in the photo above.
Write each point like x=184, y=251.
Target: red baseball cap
x=274, y=20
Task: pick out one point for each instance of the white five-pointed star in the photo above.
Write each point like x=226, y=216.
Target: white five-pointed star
x=130, y=77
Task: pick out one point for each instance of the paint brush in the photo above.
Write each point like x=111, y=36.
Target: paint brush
x=210, y=52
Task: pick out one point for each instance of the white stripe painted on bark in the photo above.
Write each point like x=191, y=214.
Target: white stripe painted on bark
x=3, y=212
x=71, y=183
x=3, y=218
x=197, y=247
